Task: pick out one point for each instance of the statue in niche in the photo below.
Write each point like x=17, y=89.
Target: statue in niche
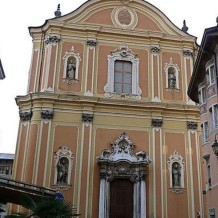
x=62, y=170
x=176, y=175
x=71, y=69
x=171, y=78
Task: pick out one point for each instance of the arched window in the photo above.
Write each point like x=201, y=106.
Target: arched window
x=71, y=66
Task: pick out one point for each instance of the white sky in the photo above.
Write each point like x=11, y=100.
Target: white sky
x=16, y=45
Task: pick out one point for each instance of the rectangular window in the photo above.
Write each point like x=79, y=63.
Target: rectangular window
x=205, y=132
x=214, y=116
x=211, y=74
x=123, y=77
x=202, y=95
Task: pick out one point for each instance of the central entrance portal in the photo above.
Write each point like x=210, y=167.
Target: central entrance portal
x=121, y=199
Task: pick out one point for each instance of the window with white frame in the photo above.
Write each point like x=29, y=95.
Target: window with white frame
x=172, y=75
x=214, y=115
x=211, y=74
x=202, y=95
x=205, y=131
x=123, y=73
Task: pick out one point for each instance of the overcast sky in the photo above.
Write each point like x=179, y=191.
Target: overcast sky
x=16, y=45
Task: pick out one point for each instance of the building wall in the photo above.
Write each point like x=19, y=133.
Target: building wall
x=83, y=116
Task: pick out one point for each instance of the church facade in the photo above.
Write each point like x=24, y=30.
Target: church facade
x=106, y=119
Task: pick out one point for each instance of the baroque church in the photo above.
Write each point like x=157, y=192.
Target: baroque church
x=106, y=119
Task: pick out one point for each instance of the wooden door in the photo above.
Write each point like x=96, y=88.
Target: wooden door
x=121, y=199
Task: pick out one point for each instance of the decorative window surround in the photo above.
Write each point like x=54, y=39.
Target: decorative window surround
x=72, y=54
x=171, y=66
x=121, y=162
x=63, y=152
x=25, y=115
x=123, y=53
x=176, y=158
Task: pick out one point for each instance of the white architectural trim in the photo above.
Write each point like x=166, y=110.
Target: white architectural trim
x=123, y=53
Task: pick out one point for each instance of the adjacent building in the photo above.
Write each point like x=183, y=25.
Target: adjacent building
x=203, y=90
x=6, y=164
x=107, y=120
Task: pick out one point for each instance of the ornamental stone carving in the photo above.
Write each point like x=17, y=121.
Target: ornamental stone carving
x=52, y=39
x=25, y=116
x=192, y=125
x=47, y=114
x=187, y=53
x=130, y=165
x=91, y=42
x=156, y=122
x=87, y=118
x=155, y=50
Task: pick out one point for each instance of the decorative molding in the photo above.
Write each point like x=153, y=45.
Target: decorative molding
x=26, y=115
x=122, y=163
x=192, y=125
x=47, y=114
x=91, y=42
x=155, y=49
x=87, y=118
x=123, y=53
x=126, y=163
x=52, y=39
x=188, y=53
x=156, y=122
x=124, y=17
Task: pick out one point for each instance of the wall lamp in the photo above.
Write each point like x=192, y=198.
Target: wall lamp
x=215, y=146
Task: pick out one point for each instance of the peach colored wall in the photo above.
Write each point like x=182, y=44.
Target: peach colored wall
x=195, y=172
x=75, y=87
x=181, y=199
x=90, y=67
x=158, y=174
x=43, y=147
x=101, y=17
x=21, y=155
x=85, y=167
x=52, y=66
x=33, y=74
x=28, y=176
x=146, y=23
x=66, y=135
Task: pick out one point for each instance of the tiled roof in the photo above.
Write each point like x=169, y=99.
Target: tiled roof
x=6, y=156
